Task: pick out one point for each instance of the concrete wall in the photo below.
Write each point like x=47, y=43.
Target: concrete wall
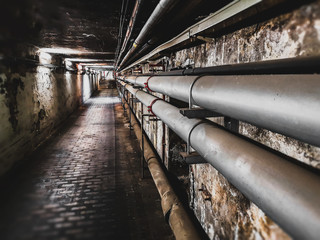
x=228, y=214
x=33, y=103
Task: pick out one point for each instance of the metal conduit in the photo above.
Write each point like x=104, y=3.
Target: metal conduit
x=286, y=104
x=129, y=29
x=297, y=65
x=288, y=193
x=160, y=10
x=177, y=217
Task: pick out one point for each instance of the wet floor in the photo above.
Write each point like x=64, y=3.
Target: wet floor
x=83, y=183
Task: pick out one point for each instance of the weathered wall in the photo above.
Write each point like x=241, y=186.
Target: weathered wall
x=227, y=214
x=33, y=103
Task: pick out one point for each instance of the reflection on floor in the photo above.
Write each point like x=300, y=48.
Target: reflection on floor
x=84, y=183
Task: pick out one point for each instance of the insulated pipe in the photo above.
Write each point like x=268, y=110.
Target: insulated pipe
x=287, y=104
x=288, y=193
x=178, y=219
x=161, y=9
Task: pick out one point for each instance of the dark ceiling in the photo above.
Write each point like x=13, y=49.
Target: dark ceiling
x=91, y=25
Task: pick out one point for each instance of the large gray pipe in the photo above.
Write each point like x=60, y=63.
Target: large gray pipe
x=289, y=194
x=287, y=104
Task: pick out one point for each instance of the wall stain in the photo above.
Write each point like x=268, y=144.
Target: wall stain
x=36, y=125
x=9, y=88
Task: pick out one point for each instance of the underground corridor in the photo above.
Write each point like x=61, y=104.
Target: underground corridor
x=84, y=182
x=160, y=119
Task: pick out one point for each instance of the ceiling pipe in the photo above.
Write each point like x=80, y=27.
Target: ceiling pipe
x=187, y=8
x=161, y=9
x=129, y=29
x=286, y=104
x=288, y=193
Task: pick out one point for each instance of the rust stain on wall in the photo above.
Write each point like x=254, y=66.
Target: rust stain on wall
x=36, y=125
x=35, y=106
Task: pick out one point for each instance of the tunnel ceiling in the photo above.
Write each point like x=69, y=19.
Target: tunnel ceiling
x=91, y=25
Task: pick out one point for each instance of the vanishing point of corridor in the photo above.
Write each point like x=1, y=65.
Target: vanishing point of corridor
x=84, y=183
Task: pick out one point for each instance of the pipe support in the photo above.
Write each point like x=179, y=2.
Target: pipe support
x=286, y=104
x=179, y=221
x=288, y=193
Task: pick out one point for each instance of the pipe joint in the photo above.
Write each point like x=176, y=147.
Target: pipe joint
x=150, y=106
x=146, y=84
x=191, y=101
x=189, y=134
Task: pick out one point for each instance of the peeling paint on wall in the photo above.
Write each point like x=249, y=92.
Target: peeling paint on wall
x=228, y=214
x=32, y=104
x=9, y=86
x=303, y=152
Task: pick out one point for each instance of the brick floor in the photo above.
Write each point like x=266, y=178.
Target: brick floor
x=83, y=183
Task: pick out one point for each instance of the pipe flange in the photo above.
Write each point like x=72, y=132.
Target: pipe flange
x=150, y=106
x=190, y=90
x=146, y=84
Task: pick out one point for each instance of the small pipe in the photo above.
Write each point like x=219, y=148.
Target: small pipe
x=287, y=192
x=299, y=65
x=178, y=219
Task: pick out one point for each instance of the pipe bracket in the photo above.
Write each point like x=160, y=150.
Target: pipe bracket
x=146, y=84
x=150, y=106
x=188, y=142
x=190, y=90
x=198, y=113
x=192, y=158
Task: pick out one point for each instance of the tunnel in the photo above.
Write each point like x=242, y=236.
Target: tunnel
x=160, y=119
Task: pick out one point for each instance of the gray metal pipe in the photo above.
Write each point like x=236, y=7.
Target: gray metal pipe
x=129, y=29
x=161, y=9
x=286, y=104
x=173, y=210
x=289, y=194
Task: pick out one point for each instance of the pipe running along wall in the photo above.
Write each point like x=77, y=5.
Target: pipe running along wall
x=129, y=29
x=286, y=104
x=298, y=65
x=286, y=192
x=178, y=219
x=161, y=9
